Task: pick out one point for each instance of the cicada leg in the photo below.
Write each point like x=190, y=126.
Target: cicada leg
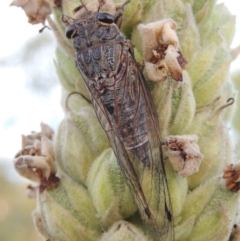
x=119, y=14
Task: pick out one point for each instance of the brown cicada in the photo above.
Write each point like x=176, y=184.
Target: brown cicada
x=125, y=109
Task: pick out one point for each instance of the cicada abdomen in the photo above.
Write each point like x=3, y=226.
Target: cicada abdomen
x=125, y=109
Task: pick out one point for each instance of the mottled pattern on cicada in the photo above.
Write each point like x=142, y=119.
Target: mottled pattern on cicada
x=125, y=109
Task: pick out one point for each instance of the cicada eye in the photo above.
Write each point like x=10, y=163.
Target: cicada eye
x=70, y=31
x=105, y=18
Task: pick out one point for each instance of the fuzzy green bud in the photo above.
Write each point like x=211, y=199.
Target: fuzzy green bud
x=210, y=214
x=208, y=86
x=214, y=151
x=178, y=188
x=109, y=191
x=79, y=140
x=122, y=231
x=68, y=73
x=67, y=212
x=183, y=107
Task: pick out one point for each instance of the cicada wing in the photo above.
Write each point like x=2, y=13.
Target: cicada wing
x=158, y=199
x=150, y=154
x=157, y=210
x=102, y=114
x=143, y=166
x=127, y=162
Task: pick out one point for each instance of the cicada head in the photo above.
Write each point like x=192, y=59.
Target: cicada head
x=94, y=15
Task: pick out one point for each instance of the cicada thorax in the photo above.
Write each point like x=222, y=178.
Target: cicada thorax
x=126, y=112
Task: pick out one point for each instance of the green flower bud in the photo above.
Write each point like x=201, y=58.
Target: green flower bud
x=175, y=107
x=67, y=212
x=108, y=189
x=213, y=155
x=77, y=134
x=183, y=230
x=213, y=207
x=197, y=200
x=68, y=73
x=199, y=119
x=210, y=83
x=174, y=9
x=200, y=63
x=122, y=231
x=214, y=151
x=132, y=16
x=38, y=223
x=188, y=35
x=183, y=107
x=178, y=189
x=203, y=10
x=162, y=94
x=217, y=218
x=221, y=19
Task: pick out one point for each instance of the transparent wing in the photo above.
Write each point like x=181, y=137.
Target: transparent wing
x=127, y=114
x=161, y=205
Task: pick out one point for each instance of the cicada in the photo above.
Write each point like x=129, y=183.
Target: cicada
x=125, y=109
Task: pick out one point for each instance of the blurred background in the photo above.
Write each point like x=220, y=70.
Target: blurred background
x=30, y=94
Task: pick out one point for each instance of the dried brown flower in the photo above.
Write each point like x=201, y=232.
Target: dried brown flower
x=184, y=154
x=36, y=10
x=232, y=177
x=36, y=160
x=161, y=50
x=108, y=6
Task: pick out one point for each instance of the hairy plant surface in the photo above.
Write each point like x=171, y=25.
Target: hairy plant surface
x=81, y=192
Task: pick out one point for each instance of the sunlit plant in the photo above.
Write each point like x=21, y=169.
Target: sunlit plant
x=184, y=50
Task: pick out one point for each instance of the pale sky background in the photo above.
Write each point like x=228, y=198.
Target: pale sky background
x=21, y=111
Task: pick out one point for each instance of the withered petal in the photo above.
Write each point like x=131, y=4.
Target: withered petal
x=231, y=174
x=36, y=10
x=184, y=154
